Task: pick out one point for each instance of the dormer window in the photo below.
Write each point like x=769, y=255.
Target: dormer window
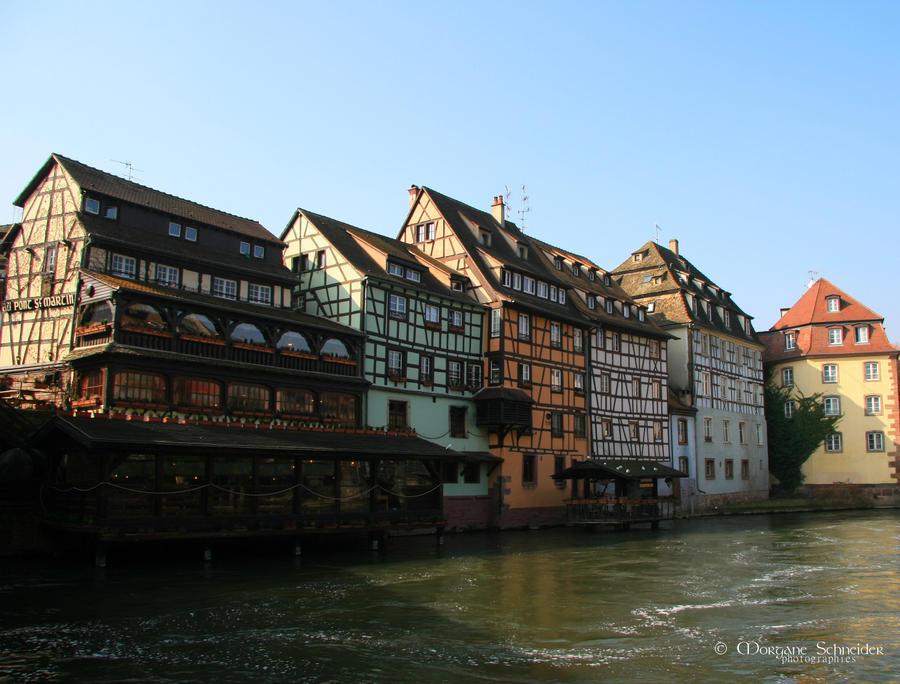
x=862, y=334
x=592, y=275
x=637, y=256
x=833, y=304
x=244, y=247
x=650, y=307
x=641, y=315
x=606, y=280
x=457, y=285
x=174, y=229
x=506, y=277
x=558, y=263
x=726, y=318
x=626, y=310
x=790, y=341
x=413, y=275
x=591, y=302
x=111, y=213
x=523, y=252
x=395, y=270
x=485, y=238
x=259, y=251
x=190, y=234
x=835, y=336
x=610, y=306
x=576, y=270
x=91, y=206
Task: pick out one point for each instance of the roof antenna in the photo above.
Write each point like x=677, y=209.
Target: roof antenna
x=524, y=210
x=128, y=165
x=657, y=229
x=813, y=276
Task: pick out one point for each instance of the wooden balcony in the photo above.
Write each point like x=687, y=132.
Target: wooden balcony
x=619, y=512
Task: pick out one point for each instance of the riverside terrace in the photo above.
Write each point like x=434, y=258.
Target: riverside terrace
x=118, y=480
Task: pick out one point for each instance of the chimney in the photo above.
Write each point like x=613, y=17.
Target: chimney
x=413, y=193
x=673, y=246
x=499, y=210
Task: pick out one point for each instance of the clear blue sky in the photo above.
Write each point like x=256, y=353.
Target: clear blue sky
x=765, y=136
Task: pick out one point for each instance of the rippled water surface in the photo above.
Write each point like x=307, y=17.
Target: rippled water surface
x=558, y=605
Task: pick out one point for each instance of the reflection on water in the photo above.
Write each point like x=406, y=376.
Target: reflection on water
x=560, y=605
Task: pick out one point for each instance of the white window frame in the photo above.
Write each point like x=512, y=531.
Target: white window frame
x=397, y=307
x=190, y=234
x=875, y=440
x=174, y=229
x=871, y=371
x=873, y=405
x=432, y=313
x=835, y=336
x=244, y=248
x=496, y=322
x=830, y=373
x=789, y=408
x=395, y=269
x=832, y=304
x=834, y=443
x=790, y=341
x=168, y=275
x=787, y=377
x=862, y=334
x=259, y=294
x=528, y=286
x=123, y=266
x=831, y=405
x=224, y=288
x=259, y=252
x=91, y=206
x=556, y=382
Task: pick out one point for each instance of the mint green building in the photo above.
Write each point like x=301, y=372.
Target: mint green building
x=424, y=342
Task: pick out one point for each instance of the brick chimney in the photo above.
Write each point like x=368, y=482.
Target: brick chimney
x=499, y=210
x=413, y=193
x=673, y=246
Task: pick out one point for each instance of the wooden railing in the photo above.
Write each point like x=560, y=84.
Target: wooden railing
x=620, y=510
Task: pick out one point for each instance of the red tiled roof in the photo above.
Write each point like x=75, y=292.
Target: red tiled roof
x=811, y=308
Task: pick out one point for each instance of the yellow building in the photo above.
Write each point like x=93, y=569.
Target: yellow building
x=830, y=344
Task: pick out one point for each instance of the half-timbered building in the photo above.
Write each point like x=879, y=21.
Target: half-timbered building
x=423, y=347
x=714, y=365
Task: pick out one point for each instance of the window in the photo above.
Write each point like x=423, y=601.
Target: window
x=710, y=469
x=634, y=430
x=835, y=336
x=606, y=428
x=524, y=326
x=542, y=289
x=729, y=469
x=334, y=348
x=655, y=349
x=134, y=386
x=578, y=379
x=111, y=213
x=167, y=275
x=506, y=277
x=528, y=285
x=657, y=430
x=578, y=426
x=395, y=270
x=742, y=435
x=871, y=371
x=831, y=405
x=862, y=335
x=577, y=340
x=873, y=405
x=656, y=389
x=295, y=401
x=555, y=335
x=682, y=431
x=830, y=372
x=198, y=325
x=143, y=316
x=704, y=383
x=523, y=252
x=553, y=293
x=555, y=380
x=473, y=380
x=339, y=407
x=485, y=238
x=707, y=430
x=759, y=435
x=244, y=248
x=528, y=470
x=197, y=393
x=556, y=424
x=174, y=229
x=562, y=296
x=726, y=431
x=49, y=265
x=636, y=387
x=92, y=206
x=834, y=442
x=789, y=408
x=454, y=374
x=248, y=397
x=616, y=342
x=397, y=415
x=432, y=315
x=320, y=259
x=414, y=275
x=456, y=321
x=457, y=285
x=610, y=306
x=426, y=369
x=259, y=251
x=472, y=473
x=495, y=322
x=457, y=421
x=558, y=263
x=787, y=377
x=226, y=289
x=832, y=304
x=605, y=383
x=396, y=364
x=397, y=306
x=626, y=310
x=874, y=441
x=524, y=374
x=124, y=266
x=592, y=275
x=790, y=341
x=576, y=270
x=745, y=469
x=726, y=319
x=641, y=315
x=495, y=371
x=190, y=234
x=684, y=465
x=424, y=232
x=591, y=301
x=259, y=294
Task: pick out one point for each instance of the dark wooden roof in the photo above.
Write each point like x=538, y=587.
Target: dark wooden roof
x=107, y=433
x=103, y=183
x=344, y=236
x=626, y=469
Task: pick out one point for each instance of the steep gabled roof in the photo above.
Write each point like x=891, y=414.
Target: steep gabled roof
x=345, y=238
x=656, y=273
x=812, y=308
x=109, y=185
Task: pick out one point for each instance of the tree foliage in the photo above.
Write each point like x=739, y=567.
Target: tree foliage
x=793, y=440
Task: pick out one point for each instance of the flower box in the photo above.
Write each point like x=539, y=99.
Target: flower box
x=205, y=340
x=141, y=330
x=86, y=403
x=338, y=359
x=297, y=354
x=93, y=329
x=252, y=347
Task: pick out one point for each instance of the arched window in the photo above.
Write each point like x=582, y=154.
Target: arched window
x=199, y=325
x=248, y=334
x=147, y=388
x=334, y=347
x=144, y=316
x=294, y=341
x=198, y=393
x=246, y=397
x=298, y=401
x=339, y=406
x=99, y=312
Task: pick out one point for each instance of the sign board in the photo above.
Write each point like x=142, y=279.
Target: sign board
x=35, y=303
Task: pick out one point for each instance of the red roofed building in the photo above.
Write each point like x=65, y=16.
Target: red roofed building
x=828, y=343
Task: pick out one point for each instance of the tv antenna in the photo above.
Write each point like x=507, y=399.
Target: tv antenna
x=128, y=165
x=524, y=210
x=813, y=276
x=658, y=230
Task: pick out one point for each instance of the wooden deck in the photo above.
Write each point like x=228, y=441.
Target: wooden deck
x=619, y=512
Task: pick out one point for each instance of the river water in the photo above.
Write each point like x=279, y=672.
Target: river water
x=542, y=606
